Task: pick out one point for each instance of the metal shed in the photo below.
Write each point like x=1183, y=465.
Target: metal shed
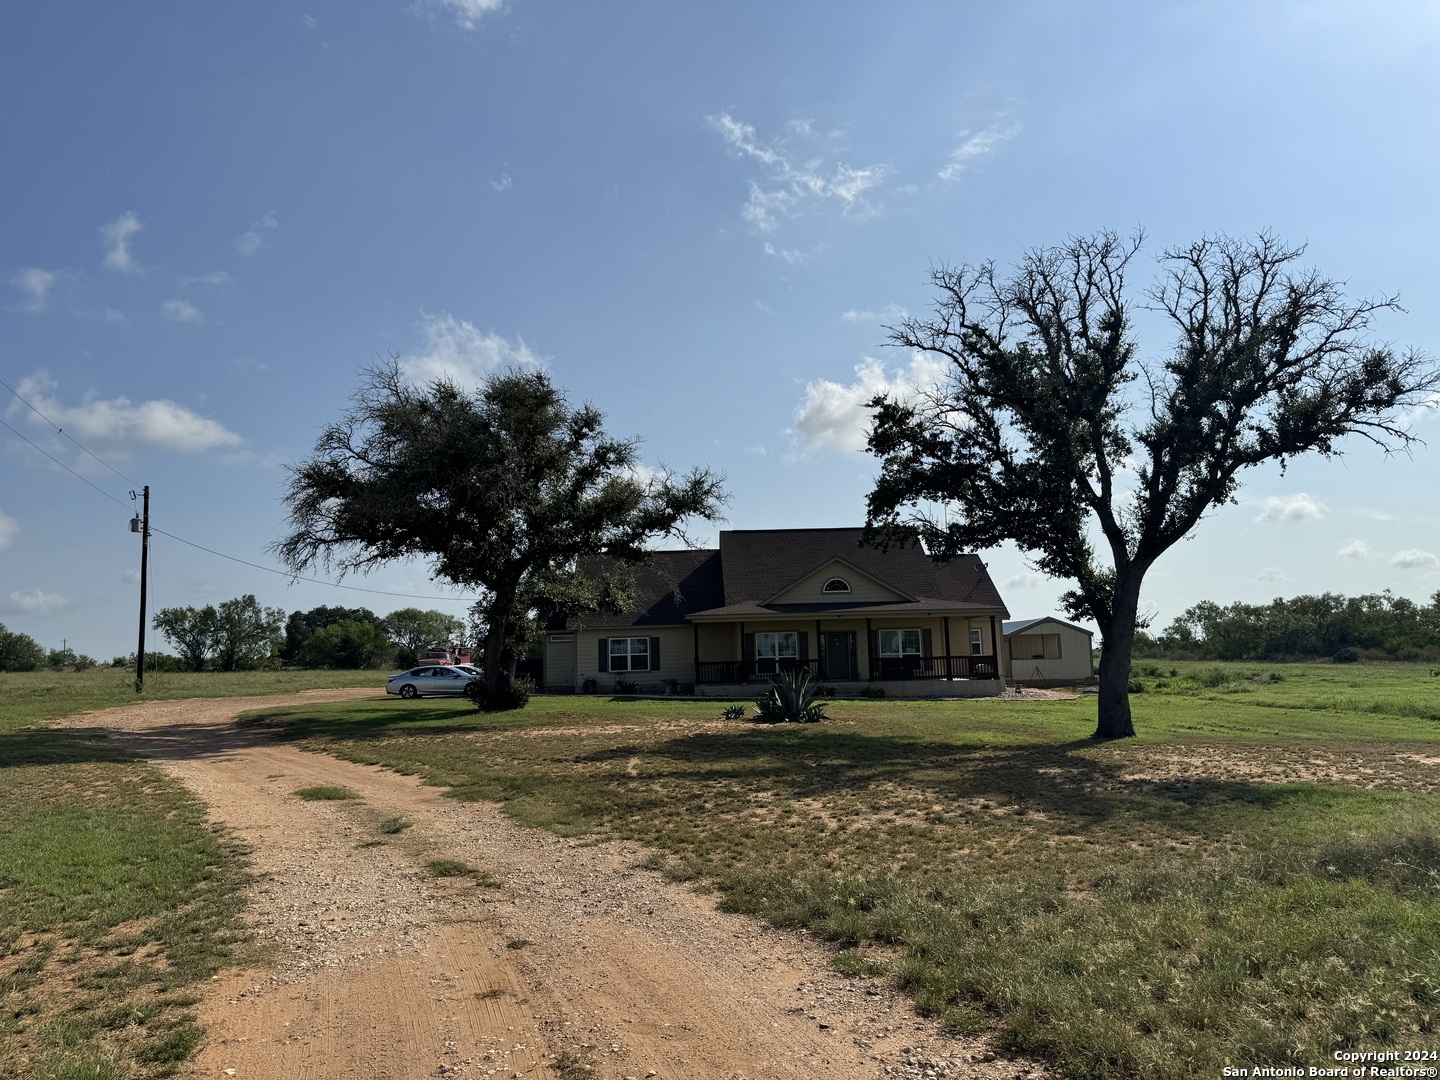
x=1047, y=650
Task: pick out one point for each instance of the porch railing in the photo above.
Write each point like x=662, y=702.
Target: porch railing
x=882, y=669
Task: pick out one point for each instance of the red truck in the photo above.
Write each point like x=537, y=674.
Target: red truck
x=446, y=654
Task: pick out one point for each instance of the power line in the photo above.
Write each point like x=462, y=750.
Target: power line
x=67, y=468
x=299, y=577
x=67, y=435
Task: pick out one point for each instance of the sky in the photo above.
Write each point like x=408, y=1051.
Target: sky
x=698, y=218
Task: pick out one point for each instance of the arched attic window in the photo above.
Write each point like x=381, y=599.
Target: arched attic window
x=836, y=585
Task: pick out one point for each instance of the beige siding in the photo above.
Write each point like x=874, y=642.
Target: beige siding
x=1073, y=661
x=677, y=657
x=559, y=662
x=864, y=589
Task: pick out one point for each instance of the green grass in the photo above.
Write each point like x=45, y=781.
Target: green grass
x=35, y=696
x=116, y=894
x=1256, y=878
x=394, y=825
x=327, y=793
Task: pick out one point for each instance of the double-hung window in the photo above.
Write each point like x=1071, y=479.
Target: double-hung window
x=629, y=654
x=781, y=645
x=899, y=642
x=976, y=643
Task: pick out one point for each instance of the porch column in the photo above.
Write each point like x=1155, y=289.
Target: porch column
x=819, y=653
x=696, y=627
x=869, y=652
x=949, y=665
x=995, y=645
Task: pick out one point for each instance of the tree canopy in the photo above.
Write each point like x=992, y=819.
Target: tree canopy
x=19, y=652
x=502, y=490
x=301, y=624
x=1053, y=431
x=190, y=631
x=414, y=629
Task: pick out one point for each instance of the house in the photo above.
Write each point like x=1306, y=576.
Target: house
x=720, y=621
x=1046, y=651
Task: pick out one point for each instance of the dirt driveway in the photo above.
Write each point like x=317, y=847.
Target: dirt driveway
x=559, y=959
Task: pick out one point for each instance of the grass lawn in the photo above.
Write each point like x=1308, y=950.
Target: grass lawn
x=116, y=894
x=1254, y=880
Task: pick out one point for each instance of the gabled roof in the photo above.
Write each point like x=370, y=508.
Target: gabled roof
x=1019, y=626
x=845, y=567
x=668, y=586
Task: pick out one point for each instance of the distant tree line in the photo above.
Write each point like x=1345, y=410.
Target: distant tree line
x=1376, y=626
x=21, y=652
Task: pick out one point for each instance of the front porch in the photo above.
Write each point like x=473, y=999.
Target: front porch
x=880, y=669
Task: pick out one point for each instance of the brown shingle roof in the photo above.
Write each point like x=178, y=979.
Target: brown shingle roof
x=753, y=565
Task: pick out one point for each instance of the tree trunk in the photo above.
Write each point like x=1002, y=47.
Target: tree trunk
x=497, y=677
x=1117, y=645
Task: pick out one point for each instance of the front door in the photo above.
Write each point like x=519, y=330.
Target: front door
x=840, y=654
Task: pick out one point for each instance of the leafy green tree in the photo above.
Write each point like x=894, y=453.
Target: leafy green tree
x=351, y=644
x=19, y=652
x=414, y=629
x=302, y=624
x=1049, y=407
x=503, y=490
x=246, y=635
x=191, y=630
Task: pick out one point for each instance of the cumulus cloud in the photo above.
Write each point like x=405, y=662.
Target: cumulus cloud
x=253, y=239
x=1354, y=549
x=1024, y=580
x=117, y=236
x=1427, y=408
x=973, y=146
x=889, y=313
x=1273, y=575
x=458, y=350
x=833, y=416
x=1298, y=507
x=34, y=285
x=97, y=420
x=1414, y=559
x=504, y=184
x=9, y=529
x=795, y=182
x=181, y=311
x=468, y=13
x=35, y=602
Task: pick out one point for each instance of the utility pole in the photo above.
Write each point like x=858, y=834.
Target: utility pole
x=142, y=526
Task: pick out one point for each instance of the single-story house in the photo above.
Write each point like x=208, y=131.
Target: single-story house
x=720, y=621
x=1046, y=651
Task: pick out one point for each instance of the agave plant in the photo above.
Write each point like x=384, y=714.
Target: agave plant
x=792, y=697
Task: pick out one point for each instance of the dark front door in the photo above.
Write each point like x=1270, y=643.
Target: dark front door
x=840, y=654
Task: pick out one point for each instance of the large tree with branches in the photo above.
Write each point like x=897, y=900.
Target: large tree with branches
x=1053, y=431
x=504, y=489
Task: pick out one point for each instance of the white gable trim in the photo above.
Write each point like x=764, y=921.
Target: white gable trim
x=847, y=570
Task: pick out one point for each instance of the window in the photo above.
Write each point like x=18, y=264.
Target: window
x=977, y=643
x=836, y=584
x=629, y=654
x=776, y=646
x=899, y=642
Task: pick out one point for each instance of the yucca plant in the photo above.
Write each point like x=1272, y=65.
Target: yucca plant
x=791, y=697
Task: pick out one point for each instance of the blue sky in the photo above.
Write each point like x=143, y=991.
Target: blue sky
x=696, y=218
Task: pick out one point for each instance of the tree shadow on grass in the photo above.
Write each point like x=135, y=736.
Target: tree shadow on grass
x=1075, y=783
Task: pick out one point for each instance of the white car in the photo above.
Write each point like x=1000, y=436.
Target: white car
x=431, y=680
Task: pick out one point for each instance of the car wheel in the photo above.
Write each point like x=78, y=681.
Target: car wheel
x=408, y=691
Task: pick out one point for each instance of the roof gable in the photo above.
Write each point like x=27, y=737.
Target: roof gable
x=864, y=587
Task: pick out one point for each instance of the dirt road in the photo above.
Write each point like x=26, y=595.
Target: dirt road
x=559, y=959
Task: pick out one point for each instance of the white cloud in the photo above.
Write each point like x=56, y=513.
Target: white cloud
x=311, y=23
x=796, y=182
x=973, y=146
x=889, y=313
x=1354, y=549
x=833, y=415
x=214, y=279
x=96, y=420
x=117, y=236
x=1414, y=559
x=35, y=602
x=1427, y=408
x=504, y=184
x=178, y=310
x=458, y=350
x=793, y=256
x=468, y=13
x=1298, y=507
x=35, y=284
x=1023, y=581
x=9, y=529
x=1273, y=575
x=253, y=239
